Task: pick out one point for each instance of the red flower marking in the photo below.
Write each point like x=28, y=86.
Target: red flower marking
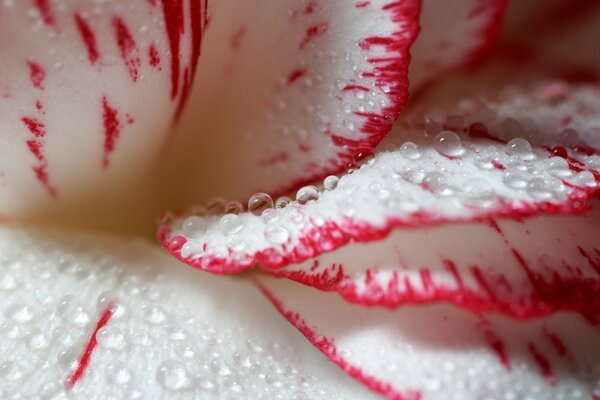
x=36, y=148
x=127, y=47
x=112, y=129
x=89, y=349
x=313, y=32
x=43, y=7
x=37, y=74
x=88, y=37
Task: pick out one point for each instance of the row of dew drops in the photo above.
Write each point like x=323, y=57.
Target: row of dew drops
x=445, y=141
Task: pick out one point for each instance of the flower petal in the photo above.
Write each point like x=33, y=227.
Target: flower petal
x=439, y=352
x=522, y=268
x=437, y=177
x=88, y=92
x=93, y=316
x=300, y=90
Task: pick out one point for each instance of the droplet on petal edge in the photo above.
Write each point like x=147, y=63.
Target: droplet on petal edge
x=487, y=180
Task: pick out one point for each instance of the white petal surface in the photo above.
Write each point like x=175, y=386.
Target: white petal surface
x=438, y=352
x=173, y=333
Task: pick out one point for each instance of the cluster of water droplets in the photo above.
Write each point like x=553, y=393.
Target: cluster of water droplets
x=53, y=293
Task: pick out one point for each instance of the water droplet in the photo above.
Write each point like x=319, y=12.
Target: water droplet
x=448, y=143
x=259, y=202
x=234, y=207
x=410, y=151
x=36, y=340
x=152, y=313
x=331, y=182
x=584, y=179
x=70, y=310
x=118, y=374
x=436, y=183
x=172, y=376
x=194, y=227
x=306, y=194
x=230, y=224
x=514, y=180
x=521, y=148
x=19, y=312
x=269, y=216
x=593, y=162
x=539, y=189
x=111, y=338
x=558, y=166
x=282, y=202
x=277, y=234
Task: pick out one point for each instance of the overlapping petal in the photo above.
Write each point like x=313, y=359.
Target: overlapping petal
x=439, y=352
x=303, y=89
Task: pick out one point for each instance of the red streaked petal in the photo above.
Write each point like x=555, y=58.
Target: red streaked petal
x=292, y=92
x=293, y=107
x=88, y=93
x=522, y=268
x=439, y=352
x=87, y=315
x=425, y=182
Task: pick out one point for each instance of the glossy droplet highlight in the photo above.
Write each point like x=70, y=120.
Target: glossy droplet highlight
x=230, y=224
x=277, y=234
x=331, y=182
x=194, y=227
x=306, y=194
x=448, y=144
x=410, y=151
x=172, y=376
x=519, y=147
x=259, y=202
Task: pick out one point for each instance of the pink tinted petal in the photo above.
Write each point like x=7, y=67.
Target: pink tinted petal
x=88, y=93
x=424, y=179
x=161, y=331
x=292, y=107
x=439, y=352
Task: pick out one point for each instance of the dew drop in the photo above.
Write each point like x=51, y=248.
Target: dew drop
x=331, y=182
x=70, y=310
x=448, y=143
x=306, y=194
x=234, y=207
x=172, y=376
x=282, y=202
x=277, y=234
x=559, y=167
x=539, y=189
x=259, y=202
x=410, y=151
x=514, y=180
x=111, y=338
x=230, y=224
x=593, y=162
x=519, y=147
x=194, y=227
x=585, y=179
